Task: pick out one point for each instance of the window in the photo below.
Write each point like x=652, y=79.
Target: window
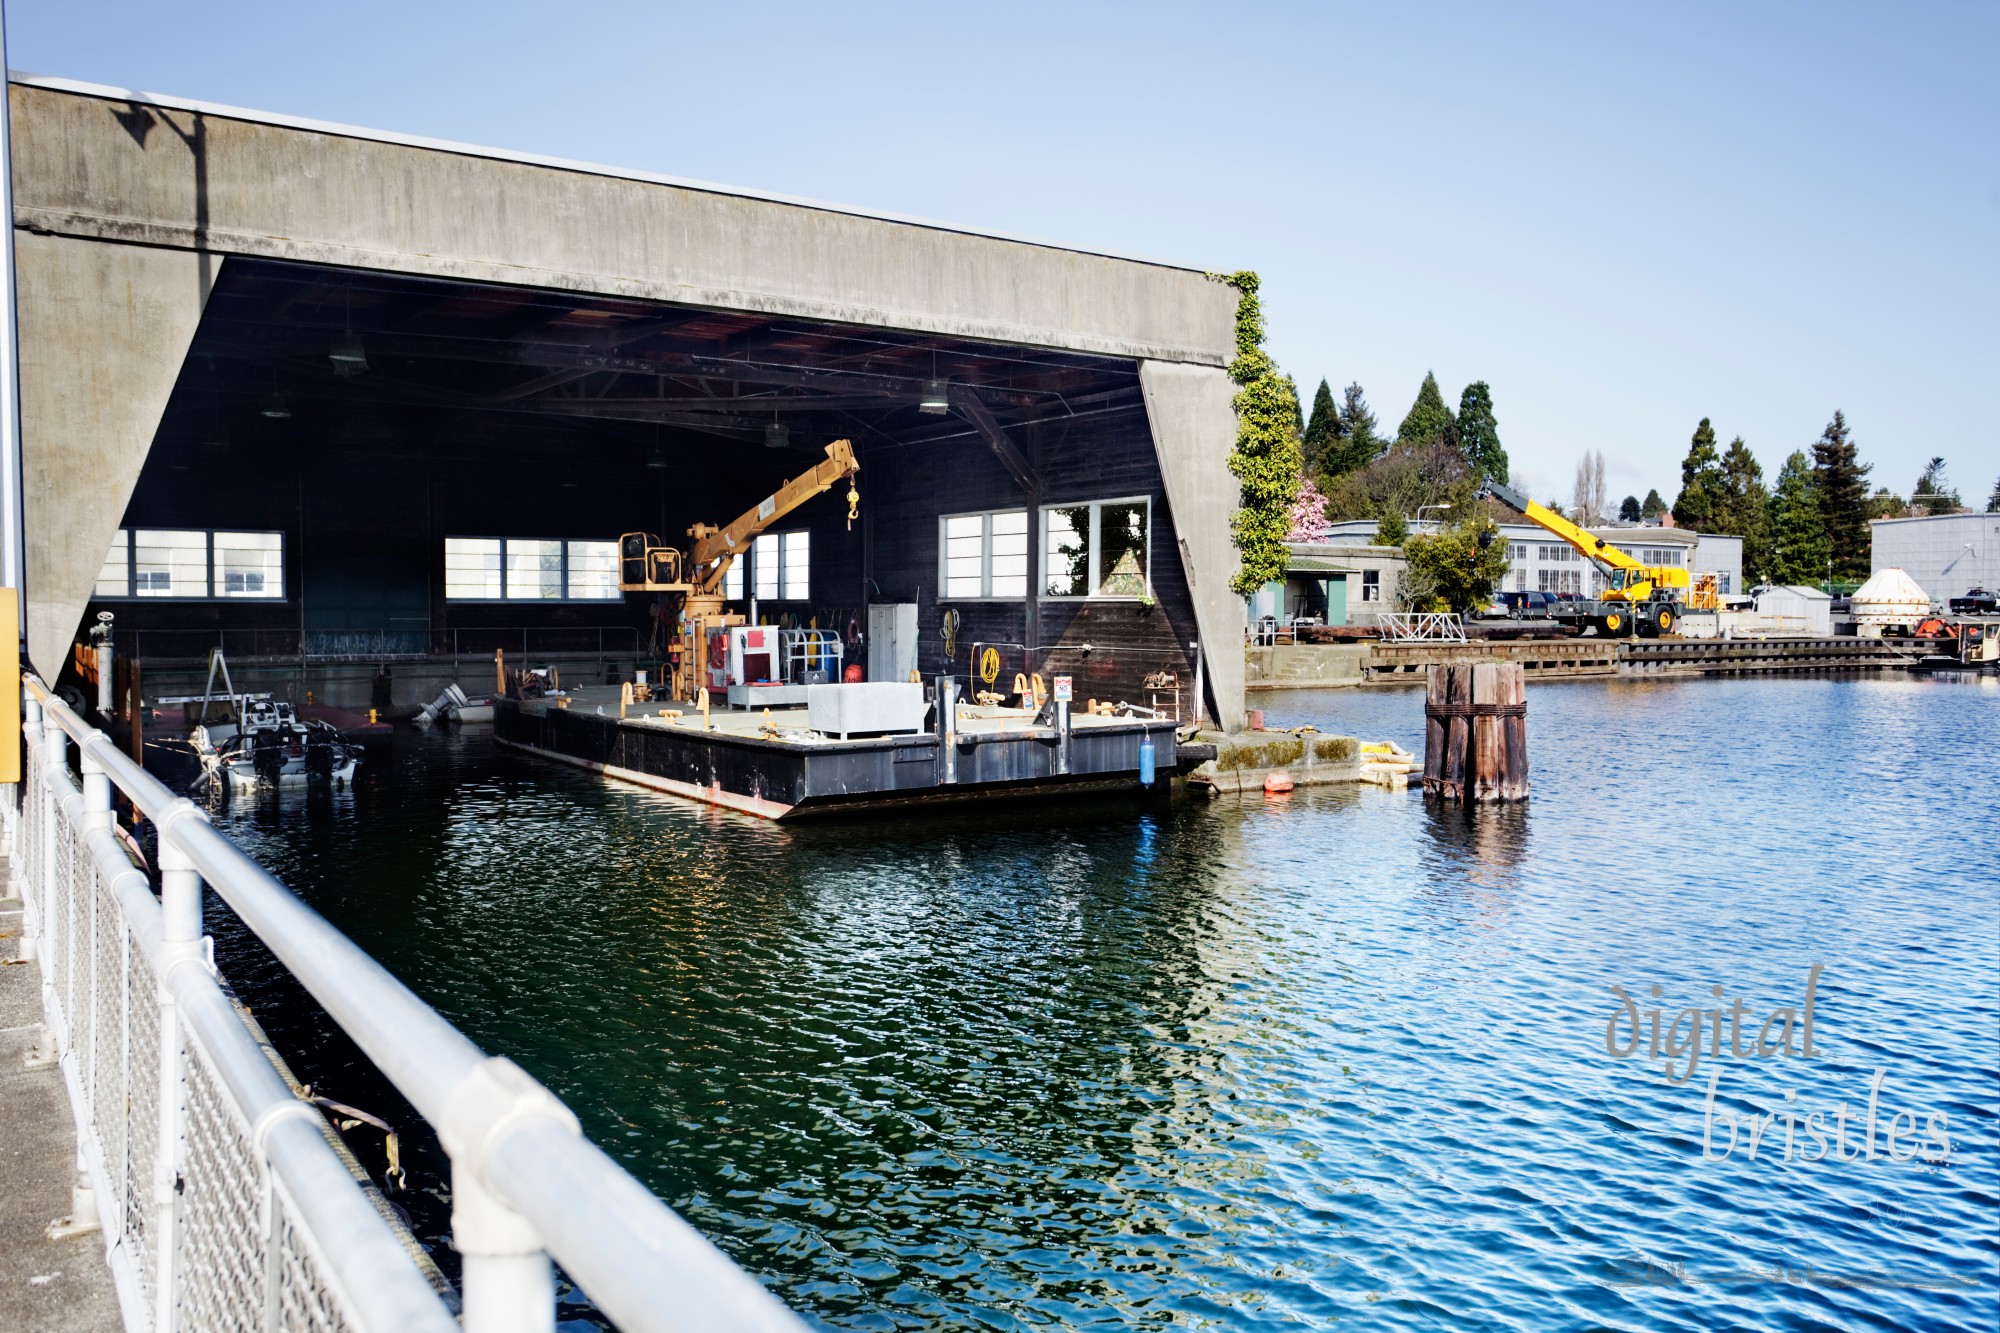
x=198, y=562
x=1520, y=580
x=1558, y=553
x=1722, y=583
x=249, y=564
x=1517, y=551
x=1660, y=555
x=1560, y=580
x=732, y=580
x=1371, y=585
x=1097, y=550
x=494, y=569
x=781, y=564
x=984, y=555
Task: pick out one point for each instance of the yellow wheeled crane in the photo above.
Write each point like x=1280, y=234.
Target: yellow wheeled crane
x=1638, y=598
x=646, y=564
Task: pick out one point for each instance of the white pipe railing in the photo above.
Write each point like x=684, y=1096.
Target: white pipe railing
x=223, y=1199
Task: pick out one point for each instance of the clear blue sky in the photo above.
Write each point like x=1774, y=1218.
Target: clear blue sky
x=1624, y=217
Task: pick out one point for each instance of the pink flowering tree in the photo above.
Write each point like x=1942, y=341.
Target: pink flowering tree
x=1308, y=520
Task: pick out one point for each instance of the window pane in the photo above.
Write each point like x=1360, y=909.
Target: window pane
x=171, y=564
x=732, y=581
x=534, y=569
x=1010, y=554
x=114, y=579
x=471, y=567
x=1067, y=551
x=593, y=570
x=766, y=552
x=798, y=566
x=1122, y=530
x=964, y=555
x=249, y=564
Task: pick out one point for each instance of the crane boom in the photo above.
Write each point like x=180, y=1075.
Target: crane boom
x=715, y=548
x=1589, y=544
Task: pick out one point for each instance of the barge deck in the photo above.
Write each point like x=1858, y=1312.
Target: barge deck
x=777, y=769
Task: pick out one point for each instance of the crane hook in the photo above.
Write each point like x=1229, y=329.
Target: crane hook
x=853, y=502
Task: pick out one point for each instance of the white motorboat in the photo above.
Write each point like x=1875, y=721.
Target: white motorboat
x=270, y=744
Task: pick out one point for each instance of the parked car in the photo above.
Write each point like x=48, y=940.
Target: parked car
x=1976, y=602
x=1524, y=605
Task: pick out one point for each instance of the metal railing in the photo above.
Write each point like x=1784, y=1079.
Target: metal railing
x=1423, y=627
x=377, y=644
x=224, y=1202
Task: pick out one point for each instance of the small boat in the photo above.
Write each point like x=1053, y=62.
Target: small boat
x=270, y=743
x=453, y=705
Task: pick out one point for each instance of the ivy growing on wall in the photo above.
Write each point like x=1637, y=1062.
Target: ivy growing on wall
x=1266, y=460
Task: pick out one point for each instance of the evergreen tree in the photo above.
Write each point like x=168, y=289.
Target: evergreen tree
x=1934, y=493
x=1653, y=507
x=1701, y=482
x=1358, y=441
x=1392, y=529
x=1429, y=418
x=1993, y=500
x=1322, y=431
x=1798, y=548
x=1842, y=481
x=1266, y=458
x=1745, y=507
x=1884, y=505
x=1628, y=509
x=1298, y=413
x=1479, y=432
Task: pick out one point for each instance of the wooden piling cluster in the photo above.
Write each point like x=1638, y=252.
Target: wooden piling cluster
x=1476, y=732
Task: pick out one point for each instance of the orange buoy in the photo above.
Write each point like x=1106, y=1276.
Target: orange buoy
x=1277, y=782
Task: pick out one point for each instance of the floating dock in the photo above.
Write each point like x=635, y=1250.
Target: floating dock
x=778, y=770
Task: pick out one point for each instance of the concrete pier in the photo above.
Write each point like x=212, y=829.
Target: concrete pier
x=46, y=1286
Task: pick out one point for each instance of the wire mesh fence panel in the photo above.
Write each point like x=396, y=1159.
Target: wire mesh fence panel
x=142, y=1135
x=304, y=1303
x=220, y=1265
x=111, y=1044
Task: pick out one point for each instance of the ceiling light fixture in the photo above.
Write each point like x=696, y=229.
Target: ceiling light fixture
x=275, y=407
x=657, y=459
x=777, y=435
x=349, y=357
x=936, y=398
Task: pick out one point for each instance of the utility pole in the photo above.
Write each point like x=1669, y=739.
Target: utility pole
x=13, y=540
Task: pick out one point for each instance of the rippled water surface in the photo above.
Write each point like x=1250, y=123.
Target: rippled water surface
x=1338, y=1058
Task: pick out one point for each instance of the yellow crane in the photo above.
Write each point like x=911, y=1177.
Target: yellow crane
x=1638, y=597
x=646, y=564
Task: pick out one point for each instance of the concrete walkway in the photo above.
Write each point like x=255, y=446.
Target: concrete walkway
x=46, y=1286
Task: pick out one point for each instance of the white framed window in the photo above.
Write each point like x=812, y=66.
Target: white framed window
x=200, y=563
x=781, y=566
x=1560, y=580
x=1558, y=553
x=1098, y=549
x=732, y=579
x=531, y=569
x=983, y=555
x=1371, y=585
x=1517, y=551
x=1660, y=555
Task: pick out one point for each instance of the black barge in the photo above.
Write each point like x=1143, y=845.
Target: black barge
x=767, y=764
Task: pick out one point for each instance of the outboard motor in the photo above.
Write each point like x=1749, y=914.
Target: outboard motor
x=450, y=701
x=268, y=755
x=319, y=754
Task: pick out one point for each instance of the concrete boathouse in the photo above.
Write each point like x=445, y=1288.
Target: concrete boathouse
x=353, y=405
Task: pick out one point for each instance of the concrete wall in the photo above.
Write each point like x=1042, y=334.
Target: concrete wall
x=99, y=167
x=1194, y=425
x=103, y=331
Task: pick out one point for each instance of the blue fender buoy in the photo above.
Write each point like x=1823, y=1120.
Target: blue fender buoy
x=1146, y=762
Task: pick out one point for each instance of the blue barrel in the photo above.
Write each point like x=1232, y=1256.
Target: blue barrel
x=1146, y=762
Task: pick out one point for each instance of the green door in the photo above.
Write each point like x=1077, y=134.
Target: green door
x=1336, y=600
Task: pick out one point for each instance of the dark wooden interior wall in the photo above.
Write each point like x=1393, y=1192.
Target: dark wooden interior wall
x=365, y=505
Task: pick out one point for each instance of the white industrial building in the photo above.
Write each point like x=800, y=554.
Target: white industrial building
x=1538, y=560
x=1947, y=554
